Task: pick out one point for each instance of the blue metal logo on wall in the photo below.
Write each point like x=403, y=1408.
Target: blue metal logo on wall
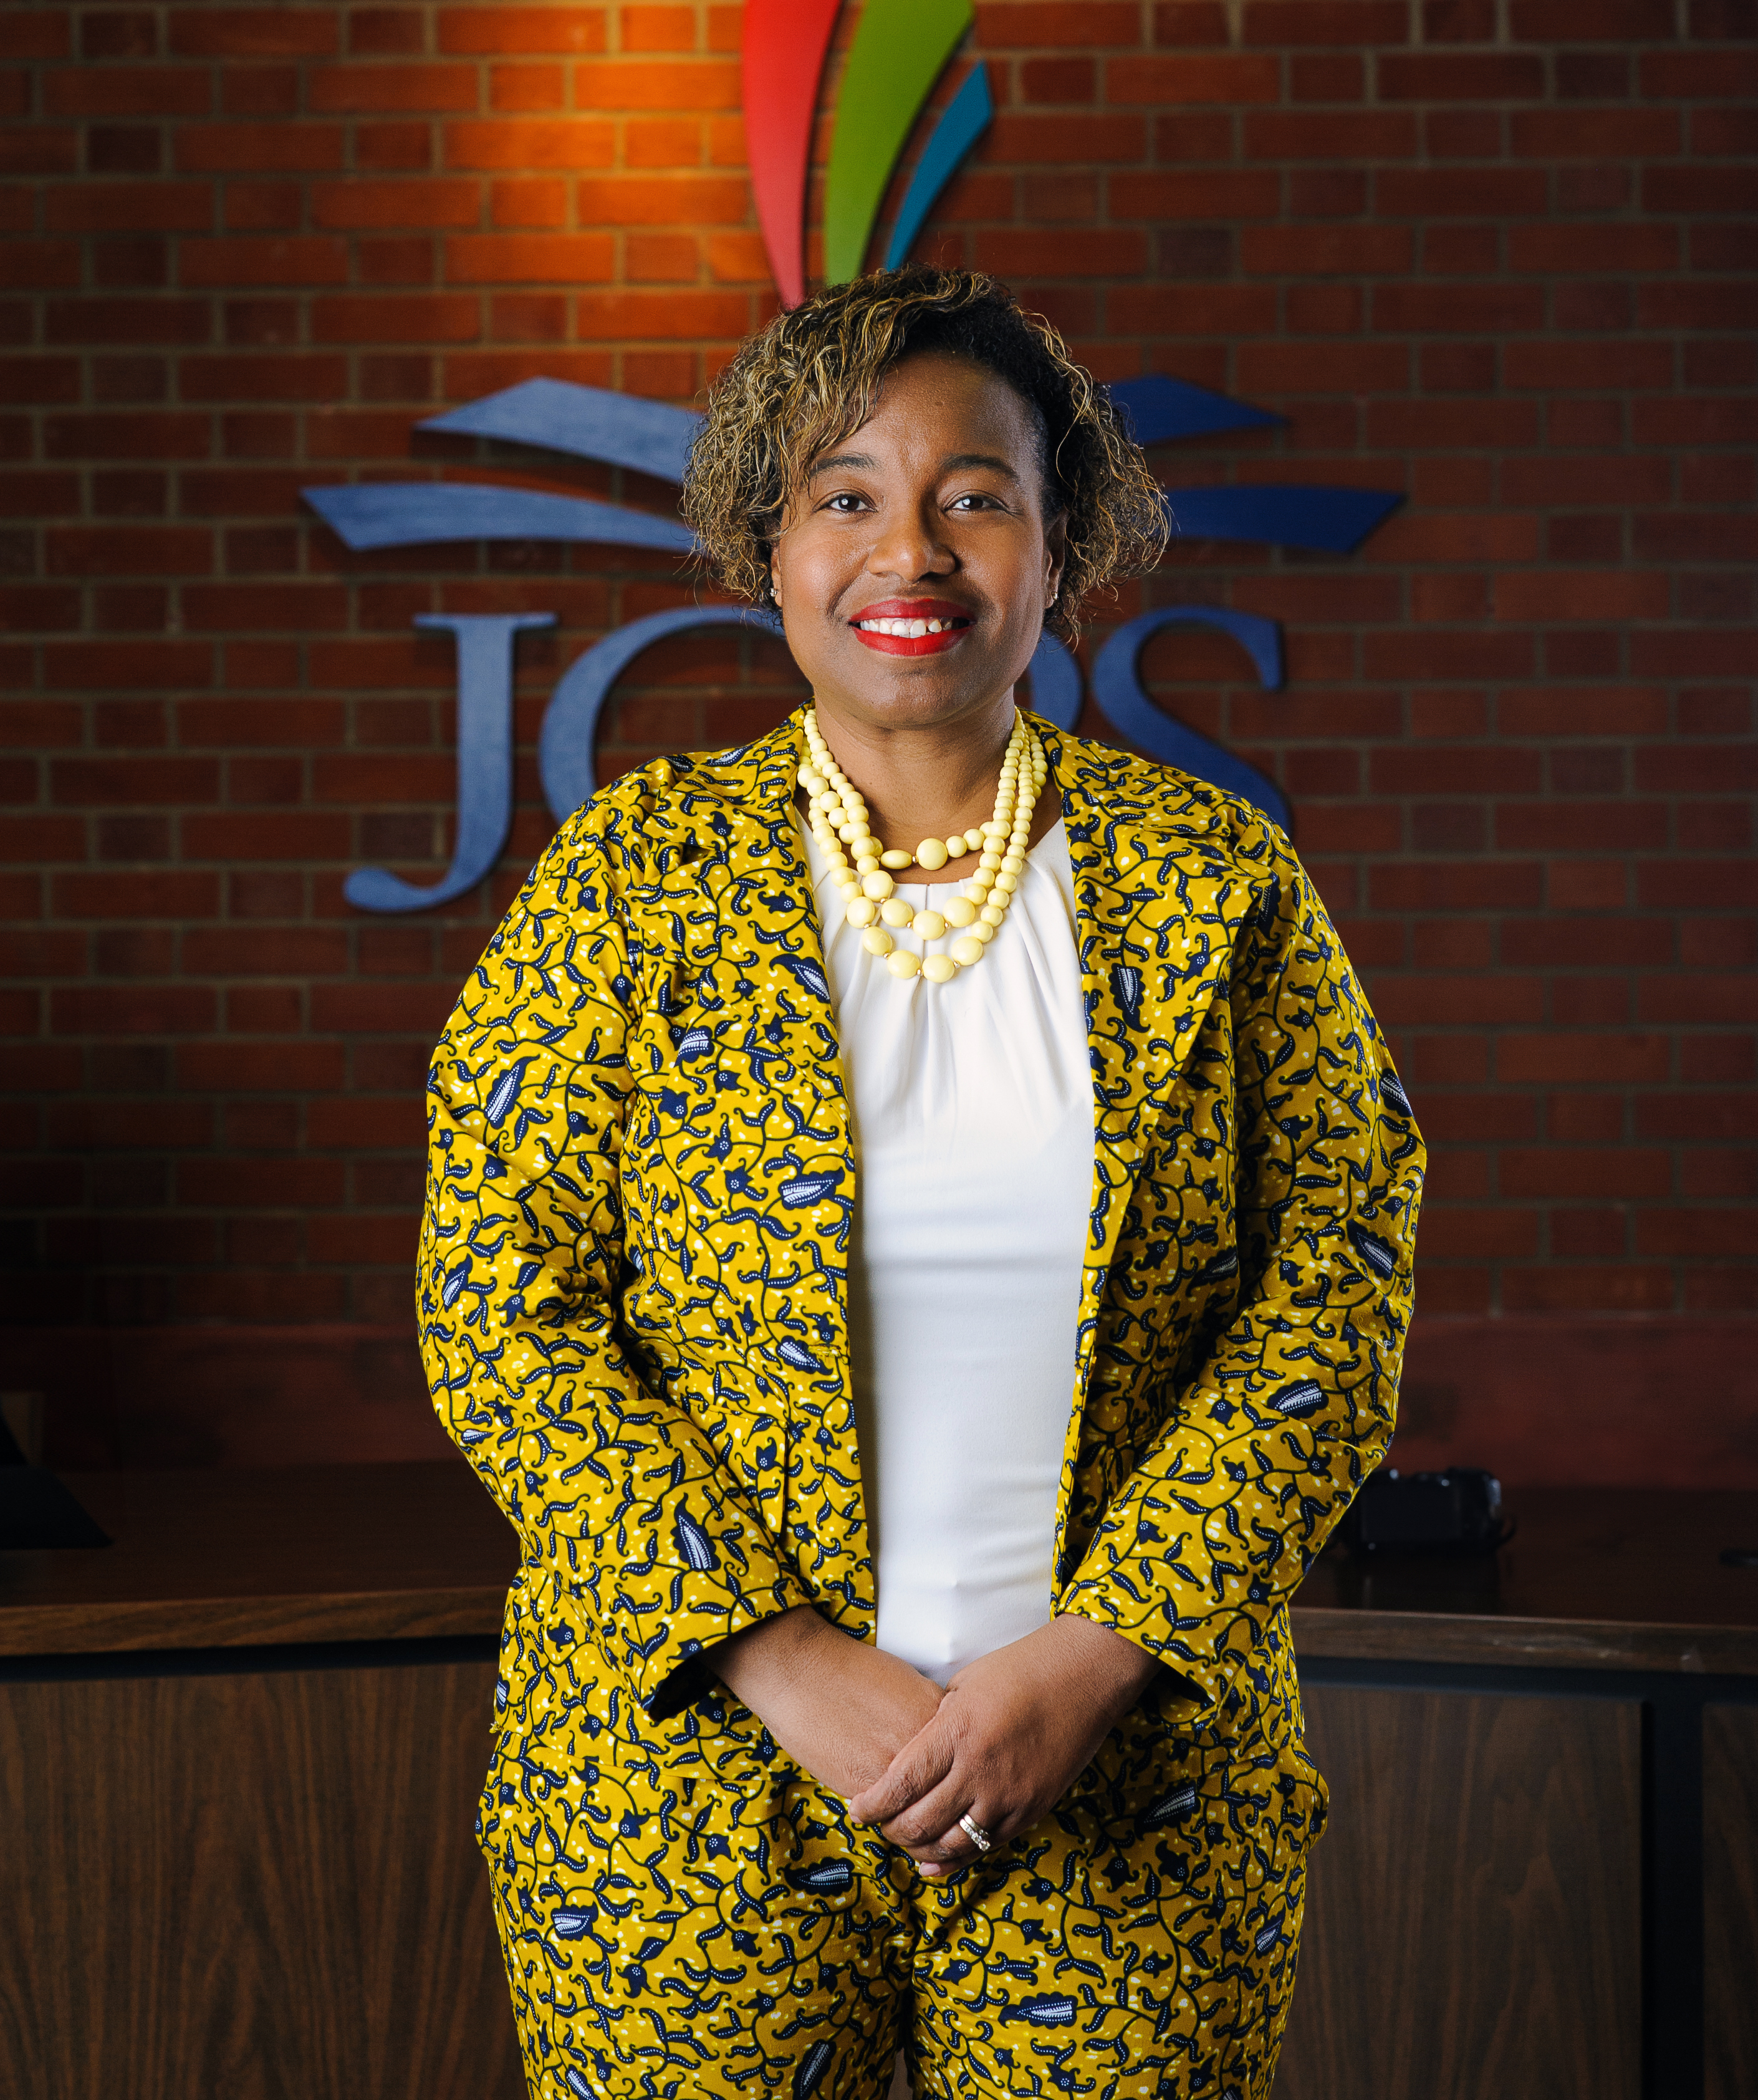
x=619, y=429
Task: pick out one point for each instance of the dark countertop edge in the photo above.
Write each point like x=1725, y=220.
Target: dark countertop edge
x=1583, y=1644
x=1319, y=1632
x=182, y=1622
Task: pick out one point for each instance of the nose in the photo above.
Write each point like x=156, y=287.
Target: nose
x=907, y=544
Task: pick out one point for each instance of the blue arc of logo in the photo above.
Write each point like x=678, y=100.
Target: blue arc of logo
x=618, y=430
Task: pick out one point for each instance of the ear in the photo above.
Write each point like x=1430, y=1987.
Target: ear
x=1055, y=556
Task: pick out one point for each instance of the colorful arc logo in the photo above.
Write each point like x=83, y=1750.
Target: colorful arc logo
x=900, y=50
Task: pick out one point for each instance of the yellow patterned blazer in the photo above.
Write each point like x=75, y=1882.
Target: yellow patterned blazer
x=632, y=1282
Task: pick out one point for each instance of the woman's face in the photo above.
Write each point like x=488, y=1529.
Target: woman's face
x=933, y=510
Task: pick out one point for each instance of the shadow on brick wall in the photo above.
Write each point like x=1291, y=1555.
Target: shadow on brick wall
x=1643, y=1401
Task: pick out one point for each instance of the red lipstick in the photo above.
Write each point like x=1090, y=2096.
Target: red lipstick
x=913, y=608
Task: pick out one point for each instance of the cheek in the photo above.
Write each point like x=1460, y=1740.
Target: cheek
x=1017, y=574
x=806, y=571
x=1030, y=586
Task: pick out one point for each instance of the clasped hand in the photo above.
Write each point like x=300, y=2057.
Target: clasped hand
x=1002, y=1743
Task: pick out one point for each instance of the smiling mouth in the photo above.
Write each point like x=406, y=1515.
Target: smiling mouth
x=893, y=635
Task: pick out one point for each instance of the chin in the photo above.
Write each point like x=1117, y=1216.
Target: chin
x=916, y=690
x=915, y=704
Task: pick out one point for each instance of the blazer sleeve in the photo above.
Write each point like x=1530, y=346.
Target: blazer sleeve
x=616, y=1491
x=1294, y=1403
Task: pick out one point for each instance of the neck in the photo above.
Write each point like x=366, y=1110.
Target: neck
x=923, y=780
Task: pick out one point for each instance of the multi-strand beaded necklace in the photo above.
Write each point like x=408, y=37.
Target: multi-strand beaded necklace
x=862, y=868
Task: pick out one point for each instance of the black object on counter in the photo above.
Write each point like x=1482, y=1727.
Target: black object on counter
x=1456, y=1515
x=36, y=1510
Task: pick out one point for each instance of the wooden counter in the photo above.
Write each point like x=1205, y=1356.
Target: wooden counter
x=1595, y=1579
x=239, y=1750
x=300, y=1553
x=1541, y=1874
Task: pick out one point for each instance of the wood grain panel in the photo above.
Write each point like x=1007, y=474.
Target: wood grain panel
x=1731, y=1901
x=1382, y=1635
x=260, y=1887
x=1472, y=1921
x=126, y=1627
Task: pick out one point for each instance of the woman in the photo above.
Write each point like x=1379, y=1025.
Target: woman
x=919, y=1244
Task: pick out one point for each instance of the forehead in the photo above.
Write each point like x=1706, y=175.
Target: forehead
x=936, y=401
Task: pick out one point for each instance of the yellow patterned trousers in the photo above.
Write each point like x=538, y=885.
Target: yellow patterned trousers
x=684, y=1912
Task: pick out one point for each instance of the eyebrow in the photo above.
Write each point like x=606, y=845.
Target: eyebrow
x=836, y=463
x=962, y=460
x=860, y=462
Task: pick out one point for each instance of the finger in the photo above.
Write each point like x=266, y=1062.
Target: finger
x=946, y=1855
x=918, y=1768
x=931, y=1820
x=952, y=1850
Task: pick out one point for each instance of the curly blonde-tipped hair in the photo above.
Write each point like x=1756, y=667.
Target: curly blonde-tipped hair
x=811, y=377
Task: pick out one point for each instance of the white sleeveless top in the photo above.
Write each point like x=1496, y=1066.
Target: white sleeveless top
x=972, y=1108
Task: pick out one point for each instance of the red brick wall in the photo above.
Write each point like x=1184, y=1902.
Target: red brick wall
x=1495, y=254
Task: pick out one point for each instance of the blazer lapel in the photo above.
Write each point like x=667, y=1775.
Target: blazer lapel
x=758, y=984
x=1155, y=902
x=757, y=990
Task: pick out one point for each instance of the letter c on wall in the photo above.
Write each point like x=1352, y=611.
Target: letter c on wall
x=564, y=745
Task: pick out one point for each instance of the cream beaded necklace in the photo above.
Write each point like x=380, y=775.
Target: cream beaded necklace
x=839, y=820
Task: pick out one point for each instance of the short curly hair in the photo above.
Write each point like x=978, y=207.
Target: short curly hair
x=811, y=377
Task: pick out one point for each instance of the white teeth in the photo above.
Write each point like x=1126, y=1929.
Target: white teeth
x=905, y=630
